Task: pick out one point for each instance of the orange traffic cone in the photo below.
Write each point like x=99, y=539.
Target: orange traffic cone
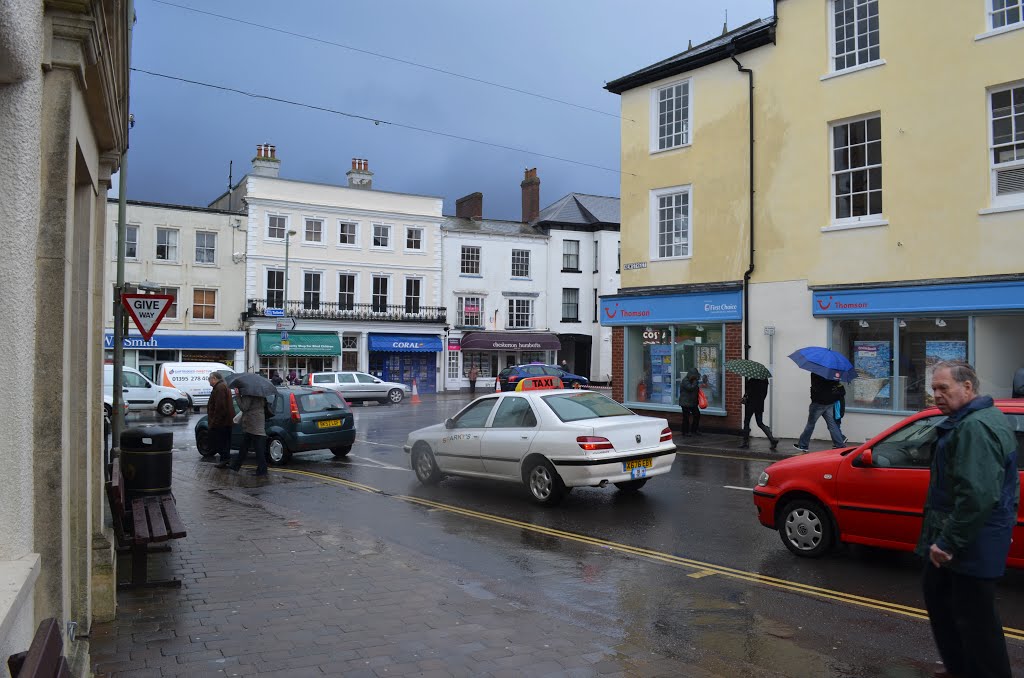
x=415, y=400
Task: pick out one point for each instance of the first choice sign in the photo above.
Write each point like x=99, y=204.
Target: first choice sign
x=147, y=310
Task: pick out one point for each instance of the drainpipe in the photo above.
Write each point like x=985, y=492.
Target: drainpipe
x=750, y=207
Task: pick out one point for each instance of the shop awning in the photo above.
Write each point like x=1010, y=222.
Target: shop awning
x=268, y=342
x=510, y=341
x=405, y=343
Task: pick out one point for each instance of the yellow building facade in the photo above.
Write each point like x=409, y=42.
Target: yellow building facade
x=887, y=214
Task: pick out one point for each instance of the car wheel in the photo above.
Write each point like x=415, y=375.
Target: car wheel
x=395, y=395
x=203, y=442
x=544, y=483
x=167, y=408
x=425, y=466
x=341, y=451
x=631, y=485
x=278, y=453
x=806, y=528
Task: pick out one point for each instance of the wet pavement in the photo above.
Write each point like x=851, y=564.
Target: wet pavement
x=679, y=579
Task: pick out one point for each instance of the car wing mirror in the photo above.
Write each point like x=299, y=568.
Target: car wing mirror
x=449, y=423
x=864, y=459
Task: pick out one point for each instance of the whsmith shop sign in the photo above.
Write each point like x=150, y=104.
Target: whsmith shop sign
x=673, y=308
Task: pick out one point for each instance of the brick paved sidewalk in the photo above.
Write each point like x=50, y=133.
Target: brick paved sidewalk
x=266, y=591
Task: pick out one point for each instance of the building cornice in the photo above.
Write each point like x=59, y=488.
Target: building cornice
x=320, y=208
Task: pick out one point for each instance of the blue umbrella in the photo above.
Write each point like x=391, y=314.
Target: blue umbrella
x=824, y=363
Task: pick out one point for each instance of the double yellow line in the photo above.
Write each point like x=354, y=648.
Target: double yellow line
x=701, y=569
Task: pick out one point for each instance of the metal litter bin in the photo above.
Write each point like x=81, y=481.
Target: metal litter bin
x=146, y=460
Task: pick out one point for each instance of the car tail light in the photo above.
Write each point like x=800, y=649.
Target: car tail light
x=666, y=434
x=512, y=378
x=294, y=407
x=594, y=443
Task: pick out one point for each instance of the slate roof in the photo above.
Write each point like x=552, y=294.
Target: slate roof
x=746, y=37
x=582, y=209
x=490, y=226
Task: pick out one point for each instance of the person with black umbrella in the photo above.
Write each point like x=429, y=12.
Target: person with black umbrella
x=756, y=392
x=253, y=391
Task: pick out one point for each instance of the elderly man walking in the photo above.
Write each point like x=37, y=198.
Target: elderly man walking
x=220, y=416
x=968, y=522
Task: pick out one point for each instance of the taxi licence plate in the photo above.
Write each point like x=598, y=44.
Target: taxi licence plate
x=329, y=423
x=637, y=463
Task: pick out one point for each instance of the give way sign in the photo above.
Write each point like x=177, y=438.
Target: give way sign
x=147, y=310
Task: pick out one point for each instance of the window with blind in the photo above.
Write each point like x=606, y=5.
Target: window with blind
x=204, y=304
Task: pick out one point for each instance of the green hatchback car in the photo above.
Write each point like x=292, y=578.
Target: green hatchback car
x=305, y=419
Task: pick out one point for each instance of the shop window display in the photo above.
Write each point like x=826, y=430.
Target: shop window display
x=658, y=357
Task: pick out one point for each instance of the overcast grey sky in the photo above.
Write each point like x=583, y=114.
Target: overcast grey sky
x=185, y=135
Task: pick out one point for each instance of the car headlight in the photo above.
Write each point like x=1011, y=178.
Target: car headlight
x=763, y=479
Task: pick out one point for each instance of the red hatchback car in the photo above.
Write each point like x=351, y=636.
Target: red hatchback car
x=873, y=494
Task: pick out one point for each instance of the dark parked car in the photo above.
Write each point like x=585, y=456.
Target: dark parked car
x=304, y=419
x=509, y=377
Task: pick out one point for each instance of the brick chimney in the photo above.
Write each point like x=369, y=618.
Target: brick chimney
x=470, y=206
x=531, y=195
x=266, y=163
x=360, y=175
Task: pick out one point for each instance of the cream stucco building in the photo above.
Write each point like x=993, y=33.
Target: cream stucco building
x=886, y=219
x=63, y=126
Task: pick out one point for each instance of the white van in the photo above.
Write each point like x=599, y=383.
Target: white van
x=142, y=394
x=192, y=378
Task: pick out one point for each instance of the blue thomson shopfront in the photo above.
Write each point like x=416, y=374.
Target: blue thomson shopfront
x=662, y=334
x=895, y=334
x=405, y=357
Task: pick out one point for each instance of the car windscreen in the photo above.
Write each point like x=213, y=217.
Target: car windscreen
x=324, y=401
x=584, y=405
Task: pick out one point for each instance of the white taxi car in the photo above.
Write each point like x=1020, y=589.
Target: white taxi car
x=550, y=440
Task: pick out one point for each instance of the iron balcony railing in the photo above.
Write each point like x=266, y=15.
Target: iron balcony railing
x=331, y=310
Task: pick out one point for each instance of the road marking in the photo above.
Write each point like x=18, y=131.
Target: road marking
x=370, y=442
x=733, y=487
x=381, y=464
x=701, y=575
x=655, y=556
x=727, y=456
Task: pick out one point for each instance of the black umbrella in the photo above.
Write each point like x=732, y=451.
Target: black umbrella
x=251, y=384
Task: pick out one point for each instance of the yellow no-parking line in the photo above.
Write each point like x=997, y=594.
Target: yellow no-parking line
x=701, y=569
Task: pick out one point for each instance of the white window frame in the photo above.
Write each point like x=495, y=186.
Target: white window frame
x=175, y=305
x=306, y=221
x=653, y=227
x=1010, y=199
x=373, y=293
x=284, y=233
x=355, y=288
x=567, y=303
x=565, y=254
x=422, y=238
x=520, y=253
x=463, y=260
x=655, y=122
x=419, y=297
x=597, y=254
x=992, y=11
x=833, y=55
x=530, y=315
x=862, y=221
x=320, y=291
x=129, y=228
x=355, y=234
x=453, y=364
x=214, y=248
x=460, y=305
x=216, y=305
x=389, y=234
x=266, y=286
x=177, y=245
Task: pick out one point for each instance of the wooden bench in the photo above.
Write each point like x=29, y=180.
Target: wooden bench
x=140, y=522
x=45, y=656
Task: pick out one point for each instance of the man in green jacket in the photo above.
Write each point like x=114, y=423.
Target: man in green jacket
x=969, y=518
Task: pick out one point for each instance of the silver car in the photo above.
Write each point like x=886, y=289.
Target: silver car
x=359, y=386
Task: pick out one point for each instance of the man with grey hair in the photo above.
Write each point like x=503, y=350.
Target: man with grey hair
x=969, y=518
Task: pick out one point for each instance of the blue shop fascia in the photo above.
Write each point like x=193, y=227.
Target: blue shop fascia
x=659, y=334
x=895, y=333
x=166, y=347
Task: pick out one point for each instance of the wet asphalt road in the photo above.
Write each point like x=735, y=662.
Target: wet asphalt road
x=707, y=609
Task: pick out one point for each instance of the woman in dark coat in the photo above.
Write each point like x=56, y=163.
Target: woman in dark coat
x=753, y=399
x=688, y=388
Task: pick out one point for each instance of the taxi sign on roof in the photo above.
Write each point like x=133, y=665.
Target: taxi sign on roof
x=538, y=383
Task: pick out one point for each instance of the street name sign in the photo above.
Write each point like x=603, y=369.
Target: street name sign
x=274, y=312
x=147, y=310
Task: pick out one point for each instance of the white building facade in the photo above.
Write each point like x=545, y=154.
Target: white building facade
x=357, y=269
x=195, y=255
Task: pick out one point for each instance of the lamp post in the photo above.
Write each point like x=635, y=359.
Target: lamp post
x=284, y=305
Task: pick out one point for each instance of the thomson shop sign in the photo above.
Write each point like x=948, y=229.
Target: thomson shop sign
x=672, y=308
x=970, y=297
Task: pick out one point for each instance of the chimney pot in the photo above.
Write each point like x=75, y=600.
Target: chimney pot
x=273, y=151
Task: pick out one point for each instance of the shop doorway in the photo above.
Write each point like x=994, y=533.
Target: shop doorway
x=404, y=367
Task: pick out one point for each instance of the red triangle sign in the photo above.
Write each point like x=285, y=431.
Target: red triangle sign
x=147, y=310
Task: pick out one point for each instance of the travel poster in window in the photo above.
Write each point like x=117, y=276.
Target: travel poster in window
x=936, y=352
x=661, y=375
x=710, y=369
x=872, y=360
